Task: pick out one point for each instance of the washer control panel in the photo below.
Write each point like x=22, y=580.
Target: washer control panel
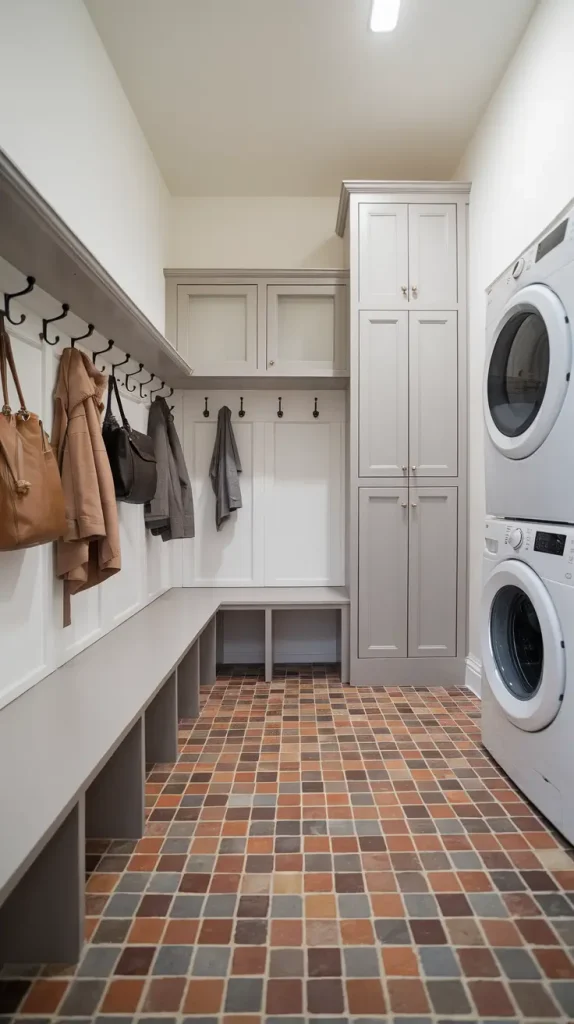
x=548, y=549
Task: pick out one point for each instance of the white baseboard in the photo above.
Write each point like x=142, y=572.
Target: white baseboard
x=473, y=675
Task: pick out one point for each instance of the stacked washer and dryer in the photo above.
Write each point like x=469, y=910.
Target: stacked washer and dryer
x=527, y=612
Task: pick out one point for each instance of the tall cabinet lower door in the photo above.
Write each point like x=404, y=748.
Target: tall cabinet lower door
x=433, y=544
x=383, y=572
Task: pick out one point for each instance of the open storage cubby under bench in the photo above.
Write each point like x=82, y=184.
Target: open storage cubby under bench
x=271, y=600
x=73, y=751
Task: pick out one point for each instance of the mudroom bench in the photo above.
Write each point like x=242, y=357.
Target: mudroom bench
x=73, y=751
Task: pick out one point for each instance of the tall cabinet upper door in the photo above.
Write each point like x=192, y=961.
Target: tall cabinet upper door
x=383, y=562
x=383, y=394
x=433, y=380
x=433, y=544
x=383, y=255
x=217, y=328
x=432, y=255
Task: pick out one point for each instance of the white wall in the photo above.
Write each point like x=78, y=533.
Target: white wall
x=66, y=122
x=32, y=640
x=267, y=232
x=521, y=164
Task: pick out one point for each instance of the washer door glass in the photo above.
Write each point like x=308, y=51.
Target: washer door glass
x=523, y=651
x=518, y=373
x=517, y=642
x=527, y=373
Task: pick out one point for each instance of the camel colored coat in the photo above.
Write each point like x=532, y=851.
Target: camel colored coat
x=90, y=551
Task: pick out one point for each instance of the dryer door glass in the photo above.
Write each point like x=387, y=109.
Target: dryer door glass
x=517, y=643
x=518, y=372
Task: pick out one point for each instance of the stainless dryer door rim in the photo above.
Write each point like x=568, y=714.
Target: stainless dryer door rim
x=542, y=301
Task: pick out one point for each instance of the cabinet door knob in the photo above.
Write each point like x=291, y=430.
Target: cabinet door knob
x=404, y=468
x=415, y=291
x=404, y=290
x=403, y=504
x=413, y=504
x=271, y=362
x=414, y=469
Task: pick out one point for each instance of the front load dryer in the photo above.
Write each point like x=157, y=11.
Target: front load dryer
x=527, y=642
x=528, y=396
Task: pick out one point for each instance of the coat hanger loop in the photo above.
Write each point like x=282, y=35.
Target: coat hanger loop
x=103, y=351
x=206, y=410
x=142, y=383
x=315, y=411
x=51, y=320
x=81, y=337
x=8, y=296
x=152, y=391
x=280, y=409
x=132, y=374
x=122, y=363
x=241, y=409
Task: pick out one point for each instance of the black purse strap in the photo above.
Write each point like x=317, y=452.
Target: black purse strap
x=113, y=387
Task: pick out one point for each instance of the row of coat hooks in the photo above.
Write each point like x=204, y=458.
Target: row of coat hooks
x=241, y=412
x=31, y=281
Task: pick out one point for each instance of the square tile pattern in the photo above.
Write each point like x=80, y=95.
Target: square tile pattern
x=327, y=853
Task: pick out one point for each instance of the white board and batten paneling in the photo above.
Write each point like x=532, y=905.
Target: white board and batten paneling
x=33, y=640
x=290, y=531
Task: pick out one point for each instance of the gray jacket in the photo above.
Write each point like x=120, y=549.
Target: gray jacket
x=224, y=469
x=170, y=514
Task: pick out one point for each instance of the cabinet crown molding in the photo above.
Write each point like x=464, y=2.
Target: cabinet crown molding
x=191, y=274
x=349, y=188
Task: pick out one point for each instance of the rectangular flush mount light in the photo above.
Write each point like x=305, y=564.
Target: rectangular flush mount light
x=384, y=15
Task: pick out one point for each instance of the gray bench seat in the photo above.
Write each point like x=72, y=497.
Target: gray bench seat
x=73, y=751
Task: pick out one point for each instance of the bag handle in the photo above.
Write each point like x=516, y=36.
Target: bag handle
x=113, y=387
x=7, y=361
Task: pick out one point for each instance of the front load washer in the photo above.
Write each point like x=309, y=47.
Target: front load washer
x=528, y=397
x=527, y=642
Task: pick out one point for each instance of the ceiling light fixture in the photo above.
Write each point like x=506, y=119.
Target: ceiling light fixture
x=384, y=15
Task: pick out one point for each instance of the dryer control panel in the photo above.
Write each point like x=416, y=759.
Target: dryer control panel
x=549, y=550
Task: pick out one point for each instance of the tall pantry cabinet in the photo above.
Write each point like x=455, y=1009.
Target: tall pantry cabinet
x=406, y=244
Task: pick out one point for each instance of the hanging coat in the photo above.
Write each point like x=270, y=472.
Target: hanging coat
x=224, y=469
x=170, y=514
x=89, y=553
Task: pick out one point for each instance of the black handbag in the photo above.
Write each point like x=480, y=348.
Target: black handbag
x=131, y=455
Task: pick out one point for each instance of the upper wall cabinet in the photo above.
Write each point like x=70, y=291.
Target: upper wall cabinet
x=246, y=325
x=305, y=329
x=217, y=328
x=407, y=256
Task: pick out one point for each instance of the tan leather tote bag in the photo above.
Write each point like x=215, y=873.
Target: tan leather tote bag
x=32, y=509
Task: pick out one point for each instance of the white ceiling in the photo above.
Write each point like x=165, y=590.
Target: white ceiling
x=287, y=97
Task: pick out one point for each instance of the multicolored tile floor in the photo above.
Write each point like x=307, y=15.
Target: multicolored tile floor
x=322, y=853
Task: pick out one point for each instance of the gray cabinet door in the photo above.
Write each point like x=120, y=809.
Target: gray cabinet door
x=217, y=328
x=432, y=255
x=433, y=548
x=383, y=394
x=383, y=572
x=433, y=394
x=383, y=256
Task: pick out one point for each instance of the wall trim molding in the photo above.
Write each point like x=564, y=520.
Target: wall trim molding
x=473, y=674
x=349, y=188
